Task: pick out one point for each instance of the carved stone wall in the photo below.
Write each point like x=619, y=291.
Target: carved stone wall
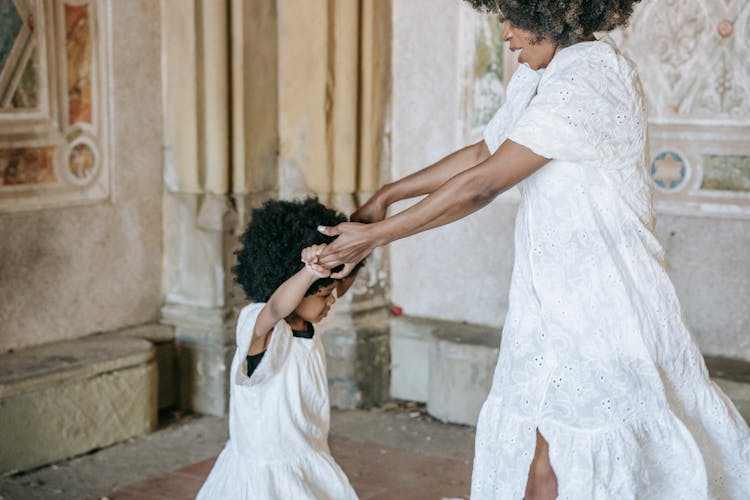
x=54, y=105
x=694, y=62
x=80, y=212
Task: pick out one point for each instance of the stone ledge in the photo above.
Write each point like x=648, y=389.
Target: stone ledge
x=155, y=333
x=733, y=377
x=29, y=369
x=63, y=399
x=162, y=337
x=450, y=365
x=736, y=370
x=446, y=364
x=357, y=357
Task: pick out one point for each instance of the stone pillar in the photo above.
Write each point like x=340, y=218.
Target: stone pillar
x=286, y=76
x=199, y=216
x=198, y=238
x=334, y=83
x=357, y=339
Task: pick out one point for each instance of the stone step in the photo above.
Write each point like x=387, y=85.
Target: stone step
x=449, y=366
x=66, y=398
x=445, y=364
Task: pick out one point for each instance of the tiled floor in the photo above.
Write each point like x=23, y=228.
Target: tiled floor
x=376, y=472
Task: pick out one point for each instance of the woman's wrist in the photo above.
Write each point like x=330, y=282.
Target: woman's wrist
x=379, y=232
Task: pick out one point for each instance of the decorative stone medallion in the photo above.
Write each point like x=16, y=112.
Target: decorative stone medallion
x=669, y=171
x=82, y=161
x=725, y=28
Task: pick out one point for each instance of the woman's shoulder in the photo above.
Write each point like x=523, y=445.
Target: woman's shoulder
x=599, y=59
x=589, y=69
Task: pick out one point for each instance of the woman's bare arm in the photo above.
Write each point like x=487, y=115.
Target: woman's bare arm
x=460, y=196
x=430, y=178
x=425, y=181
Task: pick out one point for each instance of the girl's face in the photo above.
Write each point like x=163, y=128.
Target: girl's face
x=536, y=54
x=315, y=307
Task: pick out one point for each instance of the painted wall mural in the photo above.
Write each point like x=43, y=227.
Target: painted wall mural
x=726, y=173
x=78, y=52
x=53, y=115
x=26, y=166
x=488, y=92
x=484, y=70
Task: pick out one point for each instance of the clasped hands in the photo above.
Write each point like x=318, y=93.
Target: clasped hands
x=354, y=241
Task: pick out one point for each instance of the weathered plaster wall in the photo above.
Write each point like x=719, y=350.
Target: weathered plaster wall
x=70, y=272
x=459, y=272
x=710, y=266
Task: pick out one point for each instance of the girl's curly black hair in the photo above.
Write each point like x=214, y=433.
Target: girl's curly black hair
x=273, y=242
x=564, y=22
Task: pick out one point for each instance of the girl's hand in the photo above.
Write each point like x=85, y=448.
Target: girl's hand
x=374, y=210
x=355, y=241
x=310, y=256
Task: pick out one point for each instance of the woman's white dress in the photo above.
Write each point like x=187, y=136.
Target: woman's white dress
x=278, y=423
x=595, y=350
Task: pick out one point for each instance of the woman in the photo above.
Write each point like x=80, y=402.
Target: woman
x=600, y=390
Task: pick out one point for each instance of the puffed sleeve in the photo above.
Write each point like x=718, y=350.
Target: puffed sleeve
x=583, y=111
x=520, y=89
x=562, y=121
x=275, y=354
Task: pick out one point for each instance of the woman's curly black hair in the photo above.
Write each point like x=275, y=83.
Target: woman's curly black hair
x=273, y=242
x=564, y=22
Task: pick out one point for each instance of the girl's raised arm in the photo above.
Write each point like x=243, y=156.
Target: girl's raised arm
x=287, y=297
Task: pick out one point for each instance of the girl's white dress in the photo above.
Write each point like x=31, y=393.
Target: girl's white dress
x=278, y=423
x=595, y=351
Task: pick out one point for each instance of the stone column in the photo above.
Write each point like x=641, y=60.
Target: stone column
x=198, y=212
x=333, y=106
x=358, y=335
x=293, y=70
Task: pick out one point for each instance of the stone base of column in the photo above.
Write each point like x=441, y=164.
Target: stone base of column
x=358, y=356
x=204, y=346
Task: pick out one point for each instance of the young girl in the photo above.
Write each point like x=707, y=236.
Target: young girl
x=279, y=409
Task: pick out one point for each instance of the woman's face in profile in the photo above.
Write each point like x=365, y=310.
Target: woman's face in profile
x=537, y=54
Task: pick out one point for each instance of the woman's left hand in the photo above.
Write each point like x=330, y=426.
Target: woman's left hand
x=354, y=242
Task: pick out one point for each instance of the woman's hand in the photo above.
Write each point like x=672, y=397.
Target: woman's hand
x=374, y=210
x=355, y=241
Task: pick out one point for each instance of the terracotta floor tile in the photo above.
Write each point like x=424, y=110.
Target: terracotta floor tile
x=376, y=473
x=200, y=469
x=175, y=486
x=383, y=473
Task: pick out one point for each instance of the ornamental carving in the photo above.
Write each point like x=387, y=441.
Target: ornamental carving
x=53, y=106
x=693, y=57
x=692, y=62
